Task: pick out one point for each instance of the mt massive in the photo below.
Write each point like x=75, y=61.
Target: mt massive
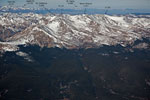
x=72, y=31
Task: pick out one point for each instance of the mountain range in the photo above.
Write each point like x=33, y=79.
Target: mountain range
x=72, y=31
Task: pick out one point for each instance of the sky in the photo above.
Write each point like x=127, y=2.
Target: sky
x=98, y=4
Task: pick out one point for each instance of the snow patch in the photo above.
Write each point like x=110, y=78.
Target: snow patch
x=24, y=55
x=54, y=25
